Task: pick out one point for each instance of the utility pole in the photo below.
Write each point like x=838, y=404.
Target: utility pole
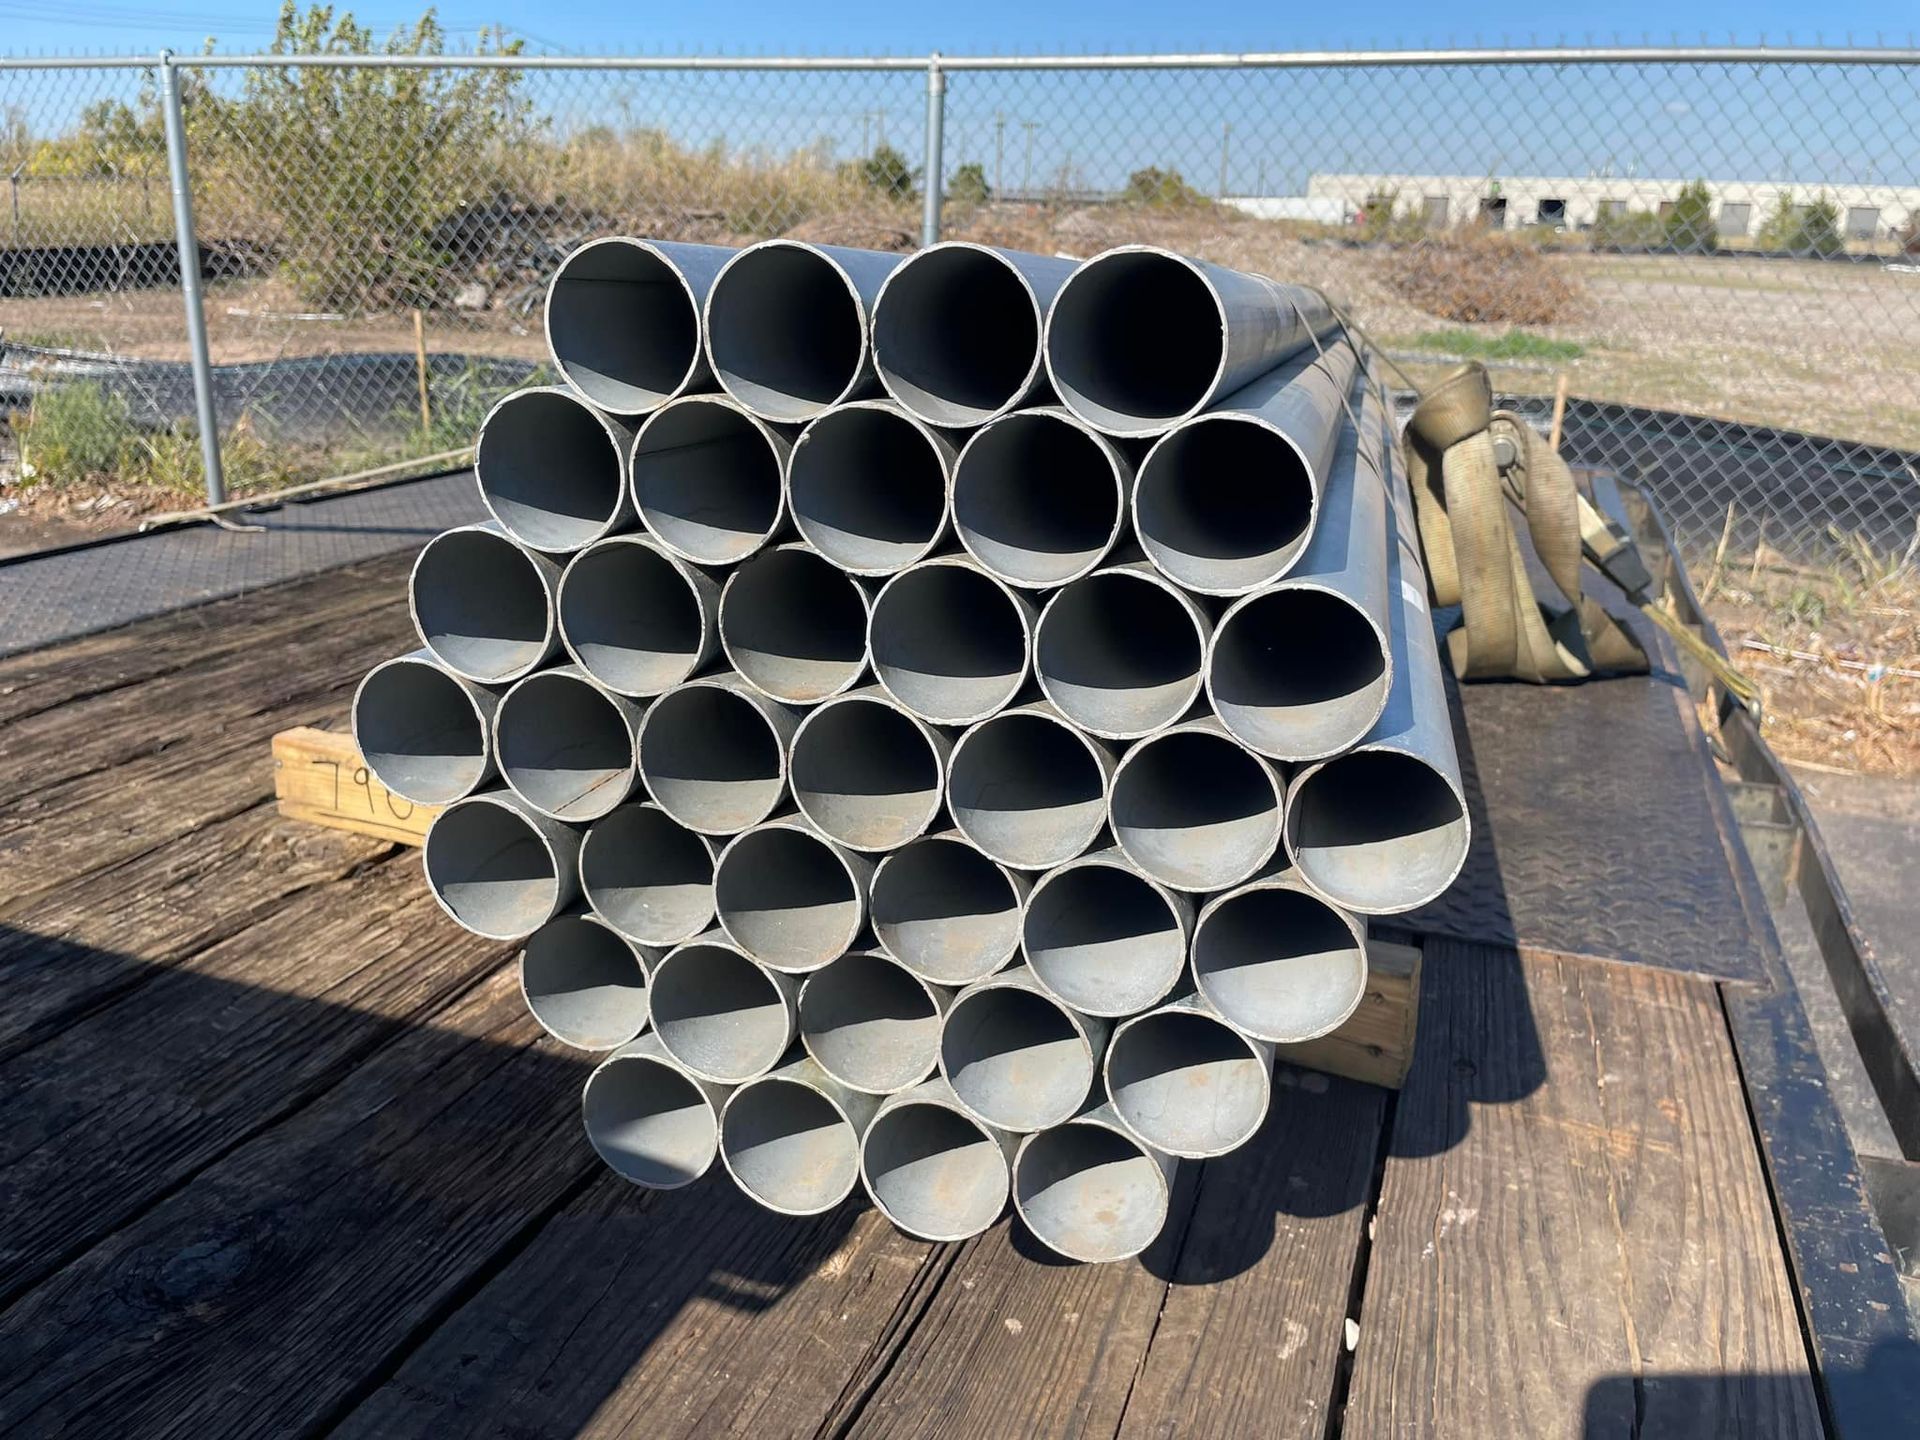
x=866, y=137
x=999, y=147
x=1026, y=174
x=1226, y=138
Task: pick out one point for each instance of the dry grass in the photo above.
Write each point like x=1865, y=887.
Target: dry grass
x=1475, y=277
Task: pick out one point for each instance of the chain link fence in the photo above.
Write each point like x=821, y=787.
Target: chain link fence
x=1719, y=252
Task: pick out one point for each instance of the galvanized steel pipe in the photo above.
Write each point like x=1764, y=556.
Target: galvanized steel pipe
x=552, y=469
x=585, y=983
x=1278, y=962
x=867, y=486
x=956, y=331
x=1196, y=809
x=1121, y=652
x=485, y=604
x=791, y=1138
x=1090, y=1190
x=1140, y=338
x=649, y=1119
x=794, y=626
x=1040, y=497
x=790, y=897
x=720, y=1013
x=713, y=754
x=566, y=744
x=1028, y=787
x=934, y=1169
x=787, y=326
x=498, y=866
x=424, y=732
x=1015, y=1056
x=623, y=320
x=647, y=875
x=945, y=910
x=1186, y=1082
x=636, y=617
x=1104, y=937
x=708, y=478
x=949, y=641
x=872, y=1023
x=867, y=771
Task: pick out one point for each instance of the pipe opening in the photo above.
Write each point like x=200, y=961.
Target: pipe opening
x=956, y=336
x=550, y=470
x=1136, y=341
x=948, y=643
x=1196, y=811
x=934, y=1172
x=1298, y=673
x=868, y=489
x=1186, y=1083
x=651, y=1124
x=706, y=480
x=632, y=618
x=711, y=759
x=1103, y=939
x=1037, y=500
x=492, y=869
x=565, y=747
x=1015, y=1058
x=787, y=899
x=1376, y=830
x=482, y=605
x=1090, y=1193
x=623, y=326
x=794, y=626
x=789, y=1146
x=584, y=984
x=648, y=876
x=1120, y=654
x=785, y=331
x=1027, y=790
x=719, y=1014
x=1280, y=964
x=870, y=1024
x=945, y=911
x=865, y=773
x=1224, y=504
x=420, y=732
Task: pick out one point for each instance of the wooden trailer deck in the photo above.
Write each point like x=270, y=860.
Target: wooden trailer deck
x=281, y=1153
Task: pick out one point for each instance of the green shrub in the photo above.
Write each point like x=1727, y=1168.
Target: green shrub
x=969, y=185
x=1628, y=230
x=1689, y=227
x=1811, y=229
x=887, y=173
x=1157, y=187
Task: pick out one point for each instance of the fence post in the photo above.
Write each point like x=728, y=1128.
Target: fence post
x=936, y=124
x=189, y=246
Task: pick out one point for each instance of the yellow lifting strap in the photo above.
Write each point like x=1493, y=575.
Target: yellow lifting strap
x=1467, y=463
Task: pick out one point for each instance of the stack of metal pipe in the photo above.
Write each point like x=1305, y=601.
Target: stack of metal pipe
x=937, y=722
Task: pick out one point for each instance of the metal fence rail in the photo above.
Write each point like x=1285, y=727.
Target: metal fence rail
x=1718, y=248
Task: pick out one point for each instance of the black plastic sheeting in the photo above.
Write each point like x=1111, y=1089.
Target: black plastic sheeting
x=1783, y=485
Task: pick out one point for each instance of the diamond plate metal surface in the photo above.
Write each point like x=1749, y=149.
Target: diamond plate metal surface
x=48, y=598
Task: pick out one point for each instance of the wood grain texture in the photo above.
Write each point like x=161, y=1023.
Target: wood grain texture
x=692, y=1313
x=100, y=932
x=1375, y=1045
x=129, y=1101
x=320, y=779
x=1251, y=1334
x=1573, y=1235
x=260, y=1297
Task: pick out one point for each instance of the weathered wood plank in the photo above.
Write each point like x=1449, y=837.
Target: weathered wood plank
x=258, y=1298
x=1375, y=1045
x=124, y=1104
x=687, y=1314
x=1573, y=1235
x=320, y=779
x=1018, y=1342
x=1250, y=1336
x=103, y=931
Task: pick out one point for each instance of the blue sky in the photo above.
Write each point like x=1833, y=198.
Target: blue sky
x=30, y=26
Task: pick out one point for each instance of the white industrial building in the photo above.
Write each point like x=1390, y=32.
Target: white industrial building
x=1740, y=207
